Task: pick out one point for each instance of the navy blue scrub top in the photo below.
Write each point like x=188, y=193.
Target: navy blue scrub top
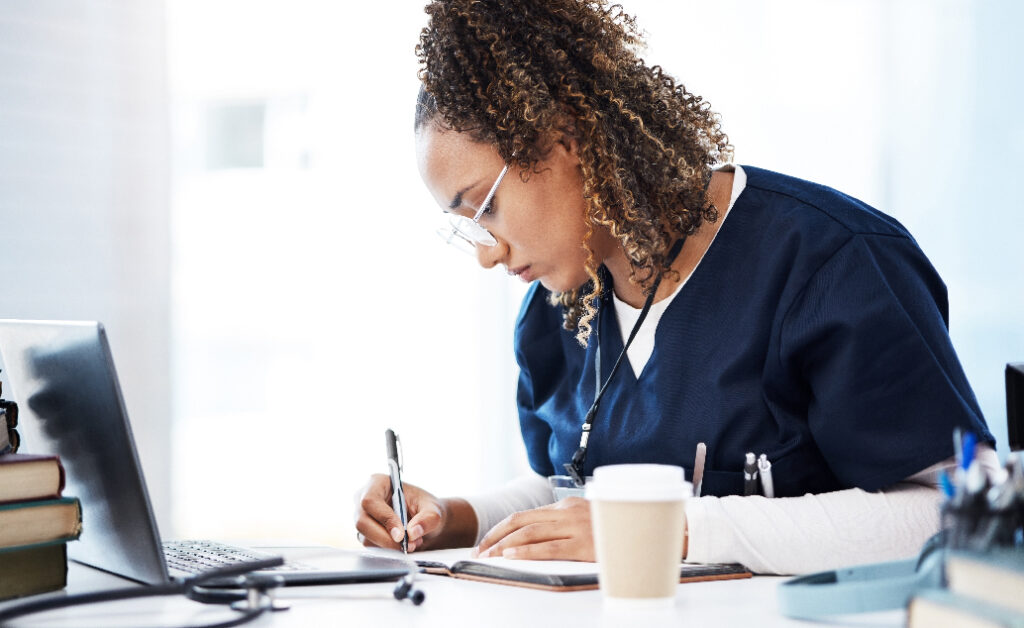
x=814, y=331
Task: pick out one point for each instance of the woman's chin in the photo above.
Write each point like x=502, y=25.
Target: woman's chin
x=555, y=284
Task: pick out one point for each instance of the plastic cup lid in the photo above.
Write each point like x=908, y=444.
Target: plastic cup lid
x=639, y=482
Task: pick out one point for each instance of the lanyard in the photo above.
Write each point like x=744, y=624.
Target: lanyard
x=575, y=468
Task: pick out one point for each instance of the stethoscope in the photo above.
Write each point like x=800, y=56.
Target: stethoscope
x=251, y=594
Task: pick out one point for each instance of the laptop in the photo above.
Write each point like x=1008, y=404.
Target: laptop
x=62, y=376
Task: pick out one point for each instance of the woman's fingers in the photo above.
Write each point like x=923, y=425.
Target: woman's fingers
x=559, y=549
x=425, y=520
x=380, y=526
x=527, y=535
x=510, y=525
x=375, y=519
x=559, y=531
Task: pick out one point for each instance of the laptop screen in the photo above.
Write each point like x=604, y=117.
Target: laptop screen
x=62, y=376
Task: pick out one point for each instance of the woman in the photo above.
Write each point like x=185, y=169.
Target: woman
x=767, y=314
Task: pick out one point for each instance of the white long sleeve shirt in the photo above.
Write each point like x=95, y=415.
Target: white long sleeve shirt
x=788, y=535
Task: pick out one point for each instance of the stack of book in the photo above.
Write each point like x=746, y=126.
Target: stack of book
x=986, y=590
x=9, y=438
x=35, y=525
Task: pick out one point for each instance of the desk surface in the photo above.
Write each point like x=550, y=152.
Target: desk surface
x=749, y=603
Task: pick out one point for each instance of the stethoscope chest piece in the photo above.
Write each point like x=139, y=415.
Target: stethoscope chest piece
x=260, y=593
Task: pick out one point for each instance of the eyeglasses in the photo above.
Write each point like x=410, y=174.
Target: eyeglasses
x=465, y=233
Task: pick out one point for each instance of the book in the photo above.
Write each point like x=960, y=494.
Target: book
x=30, y=523
x=996, y=576
x=26, y=477
x=552, y=575
x=31, y=570
x=5, y=434
x=940, y=608
x=9, y=439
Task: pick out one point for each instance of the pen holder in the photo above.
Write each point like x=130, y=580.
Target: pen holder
x=977, y=525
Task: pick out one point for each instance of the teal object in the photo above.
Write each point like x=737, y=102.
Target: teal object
x=866, y=588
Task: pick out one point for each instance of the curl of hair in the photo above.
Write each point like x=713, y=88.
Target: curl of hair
x=519, y=74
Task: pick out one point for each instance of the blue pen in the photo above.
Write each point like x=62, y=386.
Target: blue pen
x=946, y=484
x=970, y=443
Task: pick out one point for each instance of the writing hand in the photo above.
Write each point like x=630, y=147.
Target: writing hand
x=433, y=523
x=560, y=531
x=380, y=525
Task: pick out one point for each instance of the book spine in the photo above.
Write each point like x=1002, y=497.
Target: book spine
x=64, y=540
x=63, y=478
x=42, y=502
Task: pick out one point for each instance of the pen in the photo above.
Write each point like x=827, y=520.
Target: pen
x=974, y=502
x=764, y=466
x=970, y=445
x=698, y=467
x=397, y=494
x=958, y=447
x=750, y=474
x=947, y=484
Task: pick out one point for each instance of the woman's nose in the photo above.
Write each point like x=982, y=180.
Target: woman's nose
x=489, y=256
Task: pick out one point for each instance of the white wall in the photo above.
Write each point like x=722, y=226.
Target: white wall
x=84, y=183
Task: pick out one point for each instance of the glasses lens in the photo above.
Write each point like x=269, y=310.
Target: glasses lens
x=454, y=238
x=472, y=231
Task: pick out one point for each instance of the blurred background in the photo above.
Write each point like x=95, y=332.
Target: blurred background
x=230, y=187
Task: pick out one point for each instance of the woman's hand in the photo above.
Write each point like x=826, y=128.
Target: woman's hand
x=560, y=531
x=433, y=523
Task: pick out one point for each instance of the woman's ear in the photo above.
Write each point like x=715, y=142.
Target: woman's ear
x=570, y=144
x=567, y=137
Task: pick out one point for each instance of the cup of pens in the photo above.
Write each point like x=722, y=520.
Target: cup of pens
x=638, y=520
x=981, y=512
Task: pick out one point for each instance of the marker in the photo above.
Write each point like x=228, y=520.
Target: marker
x=764, y=466
x=750, y=474
x=397, y=494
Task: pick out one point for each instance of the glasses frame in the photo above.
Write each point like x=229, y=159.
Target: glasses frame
x=467, y=233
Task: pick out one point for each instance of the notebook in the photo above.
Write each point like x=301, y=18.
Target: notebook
x=548, y=575
x=62, y=376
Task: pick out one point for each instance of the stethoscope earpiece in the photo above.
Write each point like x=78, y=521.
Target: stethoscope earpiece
x=404, y=590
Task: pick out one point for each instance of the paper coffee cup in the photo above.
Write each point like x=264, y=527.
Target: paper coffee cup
x=638, y=517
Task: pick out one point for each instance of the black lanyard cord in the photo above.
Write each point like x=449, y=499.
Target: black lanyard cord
x=575, y=468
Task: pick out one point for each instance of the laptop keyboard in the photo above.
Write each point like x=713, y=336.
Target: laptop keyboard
x=198, y=556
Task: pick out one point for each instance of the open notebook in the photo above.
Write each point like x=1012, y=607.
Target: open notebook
x=549, y=575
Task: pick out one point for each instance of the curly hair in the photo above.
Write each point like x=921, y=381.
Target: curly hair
x=519, y=74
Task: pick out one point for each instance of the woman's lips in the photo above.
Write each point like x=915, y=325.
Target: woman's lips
x=523, y=272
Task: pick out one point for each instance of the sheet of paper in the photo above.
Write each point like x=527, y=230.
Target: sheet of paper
x=560, y=567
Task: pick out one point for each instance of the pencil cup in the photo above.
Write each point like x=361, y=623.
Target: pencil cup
x=638, y=517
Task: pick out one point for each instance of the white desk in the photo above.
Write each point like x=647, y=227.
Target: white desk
x=450, y=602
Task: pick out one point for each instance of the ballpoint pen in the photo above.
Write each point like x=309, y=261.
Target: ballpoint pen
x=750, y=474
x=397, y=494
x=698, y=468
x=764, y=466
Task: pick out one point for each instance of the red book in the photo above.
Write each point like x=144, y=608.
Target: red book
x=25, y=477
